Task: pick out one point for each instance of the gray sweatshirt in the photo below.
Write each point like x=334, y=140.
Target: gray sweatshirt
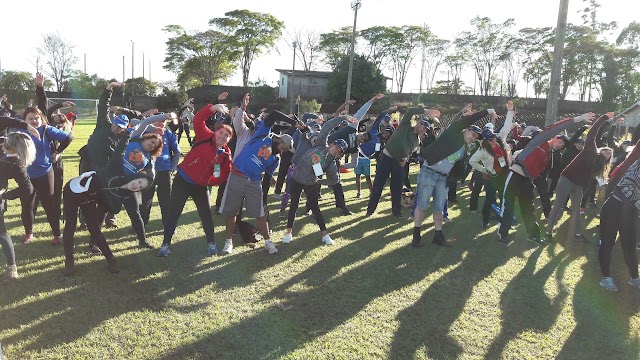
x=319, y=154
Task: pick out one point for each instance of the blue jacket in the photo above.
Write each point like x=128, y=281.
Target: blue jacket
x=135, y=158
x=256, y=157
x=369, y=148
x=168, y=160
x=42, y=163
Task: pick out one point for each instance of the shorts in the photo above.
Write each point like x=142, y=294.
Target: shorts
x=431, y=184
x=363, y=167
x=239, y=189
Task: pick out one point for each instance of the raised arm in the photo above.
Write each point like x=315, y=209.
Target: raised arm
x=578, y=134
x=508, y=122
x=411, y=112
x=343, y=106
x=277, y=116
x=323, y=137
x=199, y=126
x=375, y=128
x=42, y=96
x=104, y=103
x=150, y=120
x=590, y=142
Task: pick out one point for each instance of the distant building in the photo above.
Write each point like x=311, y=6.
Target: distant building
x=632, y=115
x=308, y=84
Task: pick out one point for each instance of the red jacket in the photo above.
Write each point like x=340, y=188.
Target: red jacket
x=198, y=165
x=536, y=155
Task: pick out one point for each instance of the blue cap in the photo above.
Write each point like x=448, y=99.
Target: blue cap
x=488, y=134
x=342, y=144
x=566, y=139
x=424, y=122
x=121, y=120
x=476, y=130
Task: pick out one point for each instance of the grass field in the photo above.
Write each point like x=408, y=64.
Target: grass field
x=368, y=296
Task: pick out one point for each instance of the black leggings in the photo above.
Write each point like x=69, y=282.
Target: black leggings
x=184, y=128
x=5, y=241
x=43, y=189
x=312, y=192
x=617, y=217
x=180, y=192
x=133, y=210
x=94, y=213
x=163, y=183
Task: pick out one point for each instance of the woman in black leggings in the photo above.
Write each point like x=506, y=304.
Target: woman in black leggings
x=18, y=152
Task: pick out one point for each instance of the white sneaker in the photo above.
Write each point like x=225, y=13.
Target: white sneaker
x=327, y=240
x=607, y=283
x=309, y=212
x=287, y=238
x=228, y=247
x=635, y=282
x=271, y=248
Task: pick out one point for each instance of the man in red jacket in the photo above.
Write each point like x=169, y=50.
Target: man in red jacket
x=529, y=164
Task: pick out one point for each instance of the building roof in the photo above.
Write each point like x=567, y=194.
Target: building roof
x=632, y=115
x=319, y=74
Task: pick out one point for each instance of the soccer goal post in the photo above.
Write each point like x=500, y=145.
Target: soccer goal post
x=83, y=107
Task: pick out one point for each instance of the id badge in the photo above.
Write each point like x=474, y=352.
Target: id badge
x=378, y=146
x=216, y=170
x=502, y=161
x=453, y=157
x=317, y=169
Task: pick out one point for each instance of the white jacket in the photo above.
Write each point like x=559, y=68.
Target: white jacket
x=481, y=160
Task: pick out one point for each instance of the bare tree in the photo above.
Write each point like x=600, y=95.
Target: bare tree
x=307, y=47
x=57, y=55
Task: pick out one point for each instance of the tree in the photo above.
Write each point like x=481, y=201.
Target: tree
x=143, y=87
x=455, y=62
x=85, y=86
x=200, y=58
x=434, y=51
x=19, y=85
x=58, y=58
x=377, y=50
x=367, y=80
x=484, y=47
x=630, y=36
x=336, y=45
x=171, y=99
x=254, y=32
x=537, y=46
x=405, y=43
x=513, y=59
x=307, y=47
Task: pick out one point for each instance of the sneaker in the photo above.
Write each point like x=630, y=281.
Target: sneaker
x=368, y=214
x=11, y=274
x=271, y=248
x=637, y=247
x=164, y=251
x=581, y=211
x=94, y=250
x=228, y=247
x=485, y=225
x=309, y=212
x=634, y=282
x=345, y=211
x=111, y=225
x=580, y=238
x=327, y=240
x=536, y=241
x=502, y=238
x=607, y=283
x=288, y=237
x=445, y=219
x=212, y=249
x=28, y=238
x=358, y=195
x=113, y=266
x=438, y=239
x=57, y=240
x=416, y=242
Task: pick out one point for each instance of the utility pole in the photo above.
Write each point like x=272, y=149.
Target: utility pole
x=143, y=66
x=123, y=79
x=556, y=70
x=424, y=60
x=293, y=78
x=133, y=81
x=85, y=63
x=149, y=70
x=355, y=5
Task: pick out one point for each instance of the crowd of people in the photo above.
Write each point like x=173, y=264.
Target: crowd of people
x=132, y=156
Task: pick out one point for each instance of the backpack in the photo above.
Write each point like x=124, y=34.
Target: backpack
x=247, y=231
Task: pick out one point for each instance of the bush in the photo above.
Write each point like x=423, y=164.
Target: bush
x=171, y=100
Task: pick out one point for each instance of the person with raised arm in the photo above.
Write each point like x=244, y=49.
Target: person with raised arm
x=208, y=163
x=313, y=165
x=244, y=186
x=439, y=159
x=527, y=165
x=18, y=152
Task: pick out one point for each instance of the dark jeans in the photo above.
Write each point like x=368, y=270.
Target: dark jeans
x=543, y=191
x=491, y=188
x=407, y=181
x=520, y=188
x=5, y=242
x=552, y=185
x=312, y=192
x=589, y=195
x=617, y=217
x=338, y=193
x=162, y=183
x=478, y=182
x=184, y=128
x=452, y=185
x=220, y=194
x=180, y=192
x=133, y=210
x=44, y=189
x=285, y=161
x=387, y=166
x=94, y=213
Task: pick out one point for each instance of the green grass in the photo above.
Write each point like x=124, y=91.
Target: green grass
x=368, y=296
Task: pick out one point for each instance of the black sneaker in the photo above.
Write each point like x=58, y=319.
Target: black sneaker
x=580, y=238
x=346, y=211
x=416, y=242
x=145, y=245
x=399, y=216
x=440, y=240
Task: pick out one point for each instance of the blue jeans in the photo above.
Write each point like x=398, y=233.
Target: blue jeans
x=387, y=166
x=431, y=184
